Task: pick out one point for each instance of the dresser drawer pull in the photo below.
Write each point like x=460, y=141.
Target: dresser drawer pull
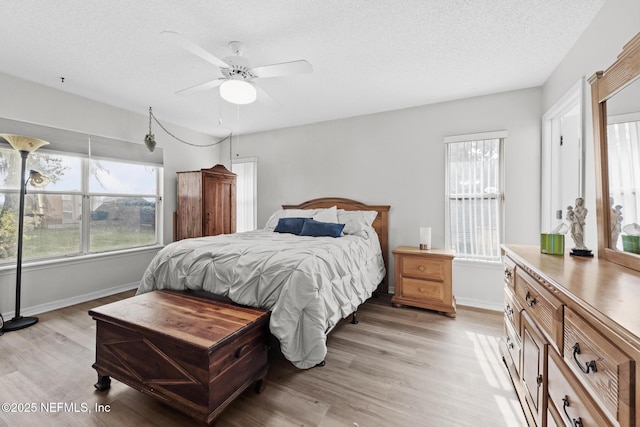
x=589, y=367
x=421, y=268
x=510, y=343
x=530, y=301
x=574, y=422
x=508, y=274
x=242, y=351
x=509, y=310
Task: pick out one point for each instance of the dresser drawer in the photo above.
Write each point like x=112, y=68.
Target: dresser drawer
x=423, y=290
x=424, y=268
x=509, y=273
x=513, y=344
x=512, y=309
x=544, y=308
x=569, y=399
x=600, y=365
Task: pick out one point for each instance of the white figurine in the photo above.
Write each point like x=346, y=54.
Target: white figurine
x=576, y=216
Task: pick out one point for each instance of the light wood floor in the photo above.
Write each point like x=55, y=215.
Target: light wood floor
x=397, y=367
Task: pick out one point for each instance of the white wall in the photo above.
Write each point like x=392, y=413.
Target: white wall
x=50, y=285
x=597, y=48
x=397, y=158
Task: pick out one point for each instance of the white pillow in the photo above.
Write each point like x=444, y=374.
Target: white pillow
x=355, y=221
x=327, y=215
x=288, y=213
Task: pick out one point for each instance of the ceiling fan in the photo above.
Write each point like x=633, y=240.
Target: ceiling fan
x=237, y=83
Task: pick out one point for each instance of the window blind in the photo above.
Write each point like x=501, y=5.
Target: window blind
x=83, y=144
x=474, y=197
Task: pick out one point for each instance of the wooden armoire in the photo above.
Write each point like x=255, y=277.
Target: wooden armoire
x=206, y=203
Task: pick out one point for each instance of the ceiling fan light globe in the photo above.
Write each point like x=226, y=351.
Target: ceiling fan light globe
x=238, y=92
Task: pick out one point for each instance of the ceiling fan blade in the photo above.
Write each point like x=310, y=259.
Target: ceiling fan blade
x=266, y=99
x=200, y=87
x=187, y=44
x=283, y=69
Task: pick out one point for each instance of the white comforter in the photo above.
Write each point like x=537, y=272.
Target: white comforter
x=308, y=283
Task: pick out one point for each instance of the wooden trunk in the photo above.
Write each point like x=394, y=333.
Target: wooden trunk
x=193, y=353
x=206, y=203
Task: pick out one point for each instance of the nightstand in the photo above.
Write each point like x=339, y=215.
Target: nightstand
x=423, y=279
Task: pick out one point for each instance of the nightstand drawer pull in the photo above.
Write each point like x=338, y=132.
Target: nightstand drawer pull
x=421, y=268
x=574, y=422
x=590, y=366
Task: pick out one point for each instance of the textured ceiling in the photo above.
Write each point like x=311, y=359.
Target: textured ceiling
x=368, y=55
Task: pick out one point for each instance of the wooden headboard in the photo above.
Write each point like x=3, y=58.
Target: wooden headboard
x=380, y=224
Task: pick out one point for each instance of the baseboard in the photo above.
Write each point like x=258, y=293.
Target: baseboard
x=54, y=305
x=485, y=305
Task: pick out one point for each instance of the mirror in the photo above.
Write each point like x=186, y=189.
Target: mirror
x=616, y=122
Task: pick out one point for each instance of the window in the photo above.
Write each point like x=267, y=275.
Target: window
x=474, y=192
x=92, y=204
x=246, y=181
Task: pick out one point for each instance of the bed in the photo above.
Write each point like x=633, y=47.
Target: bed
x=308, y=283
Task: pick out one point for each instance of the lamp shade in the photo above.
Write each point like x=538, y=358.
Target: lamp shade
x=238, y=92
x=23, y=143
x=38, y=180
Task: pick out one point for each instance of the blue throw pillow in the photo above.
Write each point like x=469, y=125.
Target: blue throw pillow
x=289, y=225
x=318, y=229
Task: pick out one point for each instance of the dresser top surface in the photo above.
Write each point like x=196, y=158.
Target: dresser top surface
x=609, y=289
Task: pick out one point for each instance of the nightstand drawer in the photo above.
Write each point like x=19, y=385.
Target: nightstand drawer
x=430, y=269
x=423, y=289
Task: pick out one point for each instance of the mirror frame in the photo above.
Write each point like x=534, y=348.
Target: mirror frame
x=605, y=84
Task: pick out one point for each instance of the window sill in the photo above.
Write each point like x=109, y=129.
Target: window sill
x=495, y=265
x=77, y=259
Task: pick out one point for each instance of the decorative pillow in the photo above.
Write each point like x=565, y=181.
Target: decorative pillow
x=327, y=215
x=355, y=221
x=318, y=229
x=289, y=225
x=288, y=213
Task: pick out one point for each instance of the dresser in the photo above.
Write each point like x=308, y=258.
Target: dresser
x=423, y=279
x=206, y=203
x=571, y=338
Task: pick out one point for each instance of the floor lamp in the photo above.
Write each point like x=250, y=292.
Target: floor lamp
x=24, y=145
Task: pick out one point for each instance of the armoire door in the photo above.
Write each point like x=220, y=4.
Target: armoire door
x=219, y=205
